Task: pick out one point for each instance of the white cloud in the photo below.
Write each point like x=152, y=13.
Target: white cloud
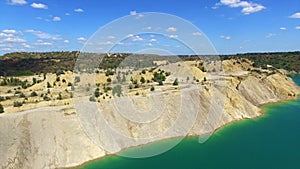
x=56, y=18
x=129, y=35
x=283, y=28
x=14, y=40
x=5, y=49
x=225, y=37
x=295, y=15
x=172, y=36
x=25, y=45
x=43, y=44
x=17, y=2
x=110, y=37
x=149, y=44
x=78, y=10
x=270, y=35
x=39, y=5
x=120, y=43
x=153, y=40
x=105, y=43
x=66, y=41
x=197, y=33
x=10, y=31
x=132, y=12
x=67, y=14
x=171, y=29
x=247, y=7
x=56, y=38
x=6, y=35
x=137, y=38
x=81, y=39
x=40, y=34
x=134, y=37
x=148, y=28
x=297, y=27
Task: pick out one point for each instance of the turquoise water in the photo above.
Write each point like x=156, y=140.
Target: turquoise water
x=269, y=142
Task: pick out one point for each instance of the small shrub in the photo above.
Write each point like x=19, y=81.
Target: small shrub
x=142, y=80
x=1, y=109
x=48, y=85
x=46, y=98
x=77, y=79
x=152, y=88
x=97, y=92
x=22, y=95
x=175, y=83
x=117, y=90
x=160, y=83
x=92, y=99
x=33, y=94
x=59, y=97
x=18, y=104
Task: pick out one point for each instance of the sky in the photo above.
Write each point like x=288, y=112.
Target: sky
x=230, y=26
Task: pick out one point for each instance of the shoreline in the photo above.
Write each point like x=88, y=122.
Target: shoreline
x=262, y=113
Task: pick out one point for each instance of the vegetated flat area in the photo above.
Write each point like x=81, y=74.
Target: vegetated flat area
x=29, y=63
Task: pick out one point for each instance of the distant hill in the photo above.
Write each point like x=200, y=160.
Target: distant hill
x=285, y=60
x=28, y=63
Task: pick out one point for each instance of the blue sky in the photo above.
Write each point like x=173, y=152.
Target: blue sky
x=232, y=26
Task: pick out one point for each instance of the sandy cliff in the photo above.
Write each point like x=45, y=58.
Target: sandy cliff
x=59, y=136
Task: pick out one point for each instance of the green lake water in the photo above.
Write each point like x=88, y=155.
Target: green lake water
x=269, y=142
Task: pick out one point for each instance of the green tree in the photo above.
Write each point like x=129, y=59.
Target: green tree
x=97, y=92
x=175, y=83
x=159, y=77
x=187, y=79
x=124, y=78
x=33, y=80
x=142, y=80
x=1, y=108
x=48, y=85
